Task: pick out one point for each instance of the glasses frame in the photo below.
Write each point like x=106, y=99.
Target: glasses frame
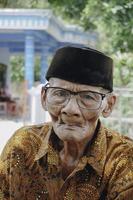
x=46, y=87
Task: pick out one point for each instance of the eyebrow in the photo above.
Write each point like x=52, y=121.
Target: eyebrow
x=74, y=93
x=100, y=89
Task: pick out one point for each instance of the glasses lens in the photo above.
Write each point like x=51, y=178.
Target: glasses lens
x=89, y=100
x=57, y=96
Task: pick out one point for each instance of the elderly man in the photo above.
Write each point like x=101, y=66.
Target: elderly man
x=74, y=157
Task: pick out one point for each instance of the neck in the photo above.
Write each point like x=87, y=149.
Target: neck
x=72, y=152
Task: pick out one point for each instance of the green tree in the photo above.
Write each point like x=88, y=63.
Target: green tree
x=114, y=18
x=18, y=68
x=123, y=69
x=24, y=4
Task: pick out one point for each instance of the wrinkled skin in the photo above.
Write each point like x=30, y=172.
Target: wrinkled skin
x=73, y=125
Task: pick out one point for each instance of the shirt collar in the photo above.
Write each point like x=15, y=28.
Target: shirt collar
x=96, y=154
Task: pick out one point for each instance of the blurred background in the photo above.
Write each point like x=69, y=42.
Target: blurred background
x=31, y=31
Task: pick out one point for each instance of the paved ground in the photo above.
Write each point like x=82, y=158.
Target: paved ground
x=7, y=128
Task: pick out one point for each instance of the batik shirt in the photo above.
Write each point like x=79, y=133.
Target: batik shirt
x=30, y=167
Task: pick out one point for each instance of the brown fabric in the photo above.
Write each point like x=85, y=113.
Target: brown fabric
x=30, y=168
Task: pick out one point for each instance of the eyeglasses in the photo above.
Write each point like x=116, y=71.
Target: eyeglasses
x=86, y=99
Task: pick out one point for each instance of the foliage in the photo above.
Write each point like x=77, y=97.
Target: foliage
x=69, y=10
x=17, y=68
x=37, y=69
x=24, y=4
x=113, y=17
x=3, y=69
x=123, y=69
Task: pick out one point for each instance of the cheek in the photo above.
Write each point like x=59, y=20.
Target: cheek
x=91, y=116
x=54, y=111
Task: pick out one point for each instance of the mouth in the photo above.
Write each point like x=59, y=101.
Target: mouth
x=69, y=127
x=69, y=124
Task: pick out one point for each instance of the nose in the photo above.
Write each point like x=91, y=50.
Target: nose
x=71, y=108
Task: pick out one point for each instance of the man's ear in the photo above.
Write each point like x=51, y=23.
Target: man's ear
x=43, y=99
x=111, y=100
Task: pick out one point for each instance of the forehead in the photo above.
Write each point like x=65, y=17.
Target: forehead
x=57, y=82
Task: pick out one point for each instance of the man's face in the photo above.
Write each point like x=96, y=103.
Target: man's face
x=70, y=121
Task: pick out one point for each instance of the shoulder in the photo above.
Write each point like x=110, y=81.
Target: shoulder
x=119, y=164
x=27, y=138
x=119, y=154
x=113, y=145
x=117, y=142
x=119, y=147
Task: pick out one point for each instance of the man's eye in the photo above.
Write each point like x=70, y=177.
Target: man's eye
x=88, y=97
x=60, y=93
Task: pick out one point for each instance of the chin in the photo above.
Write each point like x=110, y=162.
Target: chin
x=68, y=137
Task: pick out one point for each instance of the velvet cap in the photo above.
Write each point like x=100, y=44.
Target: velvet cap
x=82, y=65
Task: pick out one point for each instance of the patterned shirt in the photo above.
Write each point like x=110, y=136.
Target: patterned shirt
x=30, y=167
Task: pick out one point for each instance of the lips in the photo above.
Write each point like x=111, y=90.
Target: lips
x=69, y=122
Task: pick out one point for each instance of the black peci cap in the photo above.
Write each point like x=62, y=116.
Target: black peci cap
x=82, y=65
